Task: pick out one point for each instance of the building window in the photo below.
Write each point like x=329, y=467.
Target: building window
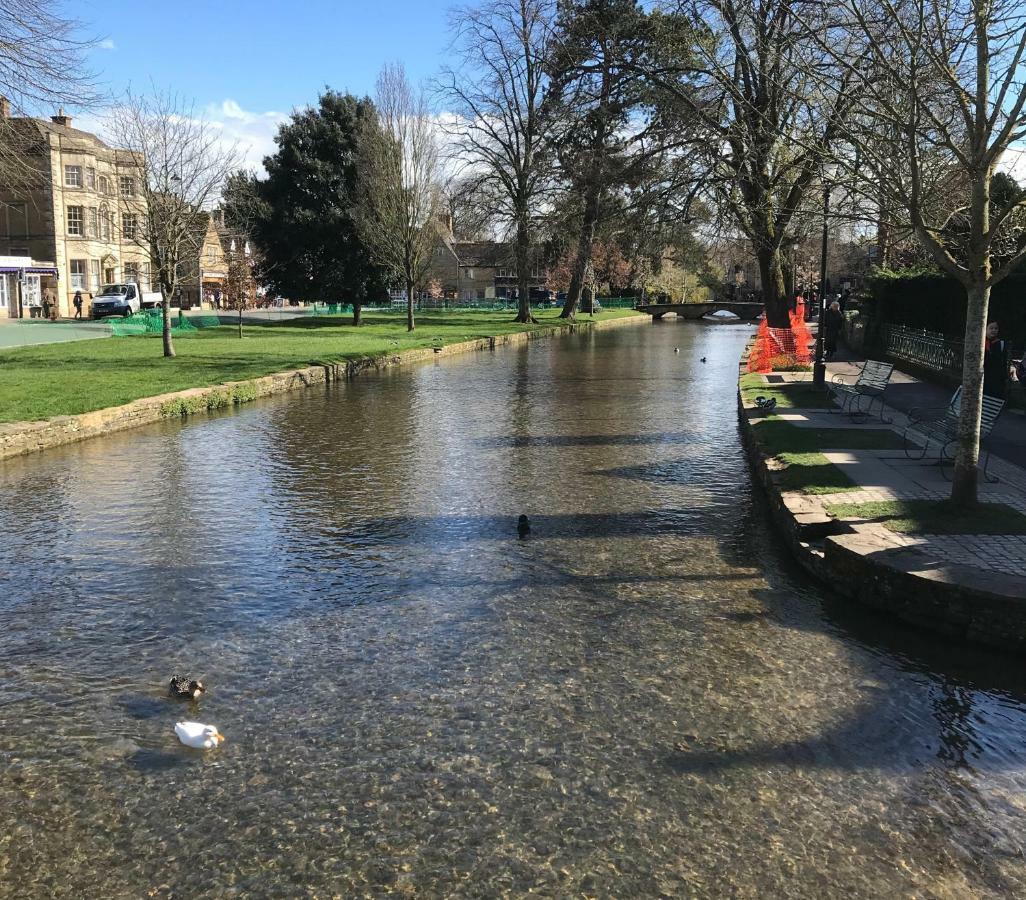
x=127, y=184
x=91, y=223
x=73, y=176
x=17, y=220
x=105, y=223
x=468, y=273
x=78, y=274
x=129, y=225
x=104, y=185
x=3, y=291
x=94, y=275
x=131, y=272
x=75, y=220
x=90, y=178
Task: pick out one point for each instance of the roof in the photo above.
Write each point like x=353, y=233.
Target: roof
x=30, y=128
x=482, y=253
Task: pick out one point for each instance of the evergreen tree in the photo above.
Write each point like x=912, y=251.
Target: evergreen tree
x=306, y=222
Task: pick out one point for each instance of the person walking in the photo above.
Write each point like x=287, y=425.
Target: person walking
x=833, y=321
x=997, y=363
x=78, y=304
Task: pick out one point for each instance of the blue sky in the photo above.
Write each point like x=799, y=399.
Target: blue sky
x=249, y=64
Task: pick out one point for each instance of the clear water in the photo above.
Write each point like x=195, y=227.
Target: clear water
x=645, y=698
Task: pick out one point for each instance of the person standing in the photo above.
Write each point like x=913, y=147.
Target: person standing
x=832, y=324
x=78, y=304
x=996, y=363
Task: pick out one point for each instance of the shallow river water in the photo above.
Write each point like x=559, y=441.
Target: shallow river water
x=643, y=699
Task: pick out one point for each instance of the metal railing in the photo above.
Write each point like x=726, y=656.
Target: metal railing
x=928, y=349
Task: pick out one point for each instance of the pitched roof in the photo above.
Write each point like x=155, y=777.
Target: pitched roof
x=482, y=253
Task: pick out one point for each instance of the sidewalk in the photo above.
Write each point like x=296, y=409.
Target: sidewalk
x=1008, y=440
x=972, y=583
x=33, y=332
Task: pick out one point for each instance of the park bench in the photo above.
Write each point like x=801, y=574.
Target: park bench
x=869, y=387
x=940, y=425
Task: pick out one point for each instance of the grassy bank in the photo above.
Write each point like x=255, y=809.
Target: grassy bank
x=934, y=516
x=807, y=469
x=64, y=379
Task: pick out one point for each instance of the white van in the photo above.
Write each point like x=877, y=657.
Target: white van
x=123, y=300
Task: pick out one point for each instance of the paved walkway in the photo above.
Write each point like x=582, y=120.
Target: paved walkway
x=890, y=475
x=32, y=332
x=1008, y=440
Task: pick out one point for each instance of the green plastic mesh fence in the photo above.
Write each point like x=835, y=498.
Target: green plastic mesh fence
x=205, y=321
x=331, y=309
x=151, y=321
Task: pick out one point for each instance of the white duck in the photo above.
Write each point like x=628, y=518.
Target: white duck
x=198, y=735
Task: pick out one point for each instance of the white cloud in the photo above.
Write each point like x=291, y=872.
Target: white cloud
x=252, y=132
x=107, y=44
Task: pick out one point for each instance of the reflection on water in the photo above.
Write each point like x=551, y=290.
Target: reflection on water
x=643, y=699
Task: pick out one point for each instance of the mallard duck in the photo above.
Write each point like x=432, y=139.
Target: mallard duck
x=185, y=688
x=198, y=735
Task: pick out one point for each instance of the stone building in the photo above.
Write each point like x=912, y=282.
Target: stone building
x=478, y=270
x=73, y=211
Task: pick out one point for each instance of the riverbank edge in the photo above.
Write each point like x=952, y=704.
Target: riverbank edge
x=959, y=601
x=23, y=438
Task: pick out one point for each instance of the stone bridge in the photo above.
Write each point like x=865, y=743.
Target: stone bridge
x=745, y=310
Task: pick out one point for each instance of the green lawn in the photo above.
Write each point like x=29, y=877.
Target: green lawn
x=812, y=473
x=808, y=470
x=63, y=379
x=794, y=395
x=934, y=517
x=777, y=436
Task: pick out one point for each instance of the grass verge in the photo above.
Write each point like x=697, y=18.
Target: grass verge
x=64, y=379
x=807, y=469
x=934, y=516
x=777, y=436
x=796, y=395
x=811, y=473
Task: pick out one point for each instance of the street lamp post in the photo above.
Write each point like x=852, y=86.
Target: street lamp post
x=819, y=367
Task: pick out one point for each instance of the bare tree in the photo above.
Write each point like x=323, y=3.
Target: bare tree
x=753, y=77
x=175, y=165
x=946, y=79
x=496, y=94
x=402, y=199
x=467, y=210
x=42, y=67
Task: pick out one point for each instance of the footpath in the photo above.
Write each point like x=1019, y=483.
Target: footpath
x=863, y=516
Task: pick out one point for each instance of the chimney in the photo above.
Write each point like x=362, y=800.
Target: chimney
x=60, y=118
x=5, y=108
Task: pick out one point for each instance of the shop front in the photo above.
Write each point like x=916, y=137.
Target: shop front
x=24, y=283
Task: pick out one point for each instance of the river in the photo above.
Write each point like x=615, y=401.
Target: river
x=644, y=698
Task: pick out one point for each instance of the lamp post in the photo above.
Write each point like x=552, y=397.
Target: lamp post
x=819, y=367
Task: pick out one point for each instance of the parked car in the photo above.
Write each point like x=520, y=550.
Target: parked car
x=122, y=300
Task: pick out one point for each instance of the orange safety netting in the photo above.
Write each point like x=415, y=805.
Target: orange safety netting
x=779, y=348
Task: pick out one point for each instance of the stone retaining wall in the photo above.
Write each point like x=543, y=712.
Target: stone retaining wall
x=963, y=602
x=18, y=438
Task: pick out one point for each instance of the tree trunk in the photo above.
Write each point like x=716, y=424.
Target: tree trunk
x=165, y=308
x=357, y=310
x=523, y=254
x=241, y=308
x=410, y=324
x=583, y=255
x=964, y=481
x=774, y=294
